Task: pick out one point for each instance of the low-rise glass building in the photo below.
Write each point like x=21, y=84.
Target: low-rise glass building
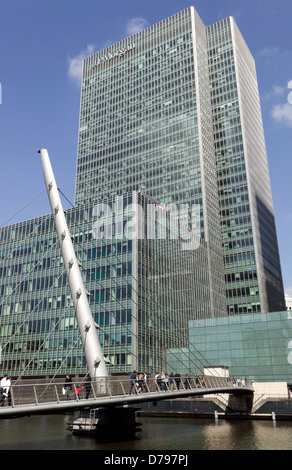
x=258, y=347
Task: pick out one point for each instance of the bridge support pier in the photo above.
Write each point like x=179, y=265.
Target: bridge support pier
x=239, y=404
x=106, y=423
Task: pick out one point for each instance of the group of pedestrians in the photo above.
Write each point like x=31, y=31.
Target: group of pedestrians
x=69, y=389
x=138, y=382
x=175, y=381
x=69, y=386
x=238, y=382
x=164, y=381
x=5, y=391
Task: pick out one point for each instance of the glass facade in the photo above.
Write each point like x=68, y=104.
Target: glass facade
x=142, y=290
x=158, y=111
x=146, y=123
x=255, y=346
x=172, y=115
x=34, y=299
x=250, y=248
x=39, y=333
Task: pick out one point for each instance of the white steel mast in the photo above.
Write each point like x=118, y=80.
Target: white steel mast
x=87, y=327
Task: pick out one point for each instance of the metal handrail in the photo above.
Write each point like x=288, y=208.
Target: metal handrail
x=40, y=392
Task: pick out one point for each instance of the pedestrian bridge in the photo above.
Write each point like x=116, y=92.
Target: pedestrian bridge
x=27, y=398
x=38, y=397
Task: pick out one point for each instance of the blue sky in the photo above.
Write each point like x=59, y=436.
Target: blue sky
x=42, y=44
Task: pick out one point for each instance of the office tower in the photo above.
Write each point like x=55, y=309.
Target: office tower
x=172, y=115
x=142, y=292
x=146, y=123
x=250, y=247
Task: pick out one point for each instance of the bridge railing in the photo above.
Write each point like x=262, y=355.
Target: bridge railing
x=41, y=392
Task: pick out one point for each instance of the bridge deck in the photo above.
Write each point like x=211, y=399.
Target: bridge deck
x=45, y=398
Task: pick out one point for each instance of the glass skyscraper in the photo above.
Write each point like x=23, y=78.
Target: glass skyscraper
x=158, y=111
x=146, y=123
x=250, y=248
x=142, y=292
x=169, y=119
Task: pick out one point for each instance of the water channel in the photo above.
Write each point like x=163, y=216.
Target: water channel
x=158, y=433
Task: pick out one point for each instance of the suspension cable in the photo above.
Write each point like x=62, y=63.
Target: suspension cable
x=27, y=274
x=33, y=232
x=24, y=207
x=169, y=319
x=125, y=327
x=46, y=339
x=30, y=313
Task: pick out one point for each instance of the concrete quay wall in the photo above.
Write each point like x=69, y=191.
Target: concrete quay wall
x=270, y=400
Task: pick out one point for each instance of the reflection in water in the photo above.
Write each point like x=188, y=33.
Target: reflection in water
x=50, y=433
x=276, y=436
x=229, y=435
x=248, y=435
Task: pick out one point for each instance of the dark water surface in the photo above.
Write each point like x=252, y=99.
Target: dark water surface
x=50, y=433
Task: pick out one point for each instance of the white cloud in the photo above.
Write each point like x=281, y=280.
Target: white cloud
x=288, y=290
x=282, y=113
x=272, y=56
x=135, y=25
x=269, y=52
x=277, y=90
x=75, y=63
